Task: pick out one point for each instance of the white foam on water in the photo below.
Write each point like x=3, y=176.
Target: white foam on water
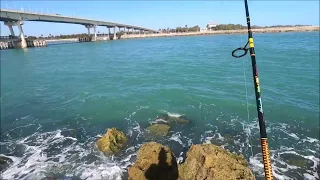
x=256, y=165
x=138, y=130
x=308, y=176
x=142, y=107
x=130, y=133
x=207, y=140
x=45, y=153
x=102, y=171
x=291, y=134
x=172, y=114
x=310, y=140
x=177, y=137
x=159, y=121
x=180, y=158
x=190, y=142
x=220, y=137
x=137, y=127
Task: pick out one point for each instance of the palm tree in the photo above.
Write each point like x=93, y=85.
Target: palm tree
x=186, y=27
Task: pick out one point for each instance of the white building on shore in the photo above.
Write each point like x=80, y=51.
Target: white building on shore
x=211, y=26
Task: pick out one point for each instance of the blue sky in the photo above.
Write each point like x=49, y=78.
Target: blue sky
x=164, y=14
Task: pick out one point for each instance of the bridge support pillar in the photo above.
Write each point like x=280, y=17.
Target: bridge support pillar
x=94, y=31
x=109, y=33
x=114, y=33
x=23, y=39
x=11, y=30
x=88, y=31
x=10, y=24
x=19, y=24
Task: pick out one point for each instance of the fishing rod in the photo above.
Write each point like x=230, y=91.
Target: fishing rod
x=263, y=132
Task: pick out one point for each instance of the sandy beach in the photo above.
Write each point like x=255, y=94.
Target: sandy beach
x=264, y=30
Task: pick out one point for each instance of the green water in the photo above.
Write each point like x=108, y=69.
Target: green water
x=73, y=92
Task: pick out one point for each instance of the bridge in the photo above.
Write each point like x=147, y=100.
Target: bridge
x=17, y=18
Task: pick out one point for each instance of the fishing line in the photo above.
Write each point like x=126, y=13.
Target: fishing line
x=247, y=103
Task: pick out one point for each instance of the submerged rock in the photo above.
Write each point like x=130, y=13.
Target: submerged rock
x=296, y=160
x=112, y=142
x=154, y=161
x=173, y=119
x=208, y=161
x=159, y=129
x=4, y=163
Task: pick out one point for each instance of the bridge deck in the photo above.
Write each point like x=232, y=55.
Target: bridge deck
x=18, y=15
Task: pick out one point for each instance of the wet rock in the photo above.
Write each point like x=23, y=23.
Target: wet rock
x=208, y=161
x=159, y=129
x=154, y=161
x=4, y=163
x=50, y=178
x=112, y=142
x=296, y=160
x=181, y=119
x=173, y=119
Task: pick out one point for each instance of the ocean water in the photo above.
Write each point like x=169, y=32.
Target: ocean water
x=58, y=100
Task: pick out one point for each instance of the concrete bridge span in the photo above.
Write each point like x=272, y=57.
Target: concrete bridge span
x=17, y=18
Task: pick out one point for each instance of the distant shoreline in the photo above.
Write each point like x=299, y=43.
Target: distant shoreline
x=262, y=30
x=213, y=32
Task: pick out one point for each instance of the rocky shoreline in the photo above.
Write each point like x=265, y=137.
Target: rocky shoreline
x=156, y=161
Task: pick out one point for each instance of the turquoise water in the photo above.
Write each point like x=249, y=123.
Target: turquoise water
x=56, y=101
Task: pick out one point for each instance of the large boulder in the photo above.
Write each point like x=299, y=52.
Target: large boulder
x=208, y=161
x=112, y=142
x=159, y=129
x=154, y=161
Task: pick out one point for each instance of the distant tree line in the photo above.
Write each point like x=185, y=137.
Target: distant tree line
x=285, y=26
x=181, y=29
x=239, y=26
x=61, y=36
x=229, y=27
x=221, y=27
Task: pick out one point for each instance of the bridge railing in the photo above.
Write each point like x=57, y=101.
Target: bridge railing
x=9, y=37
